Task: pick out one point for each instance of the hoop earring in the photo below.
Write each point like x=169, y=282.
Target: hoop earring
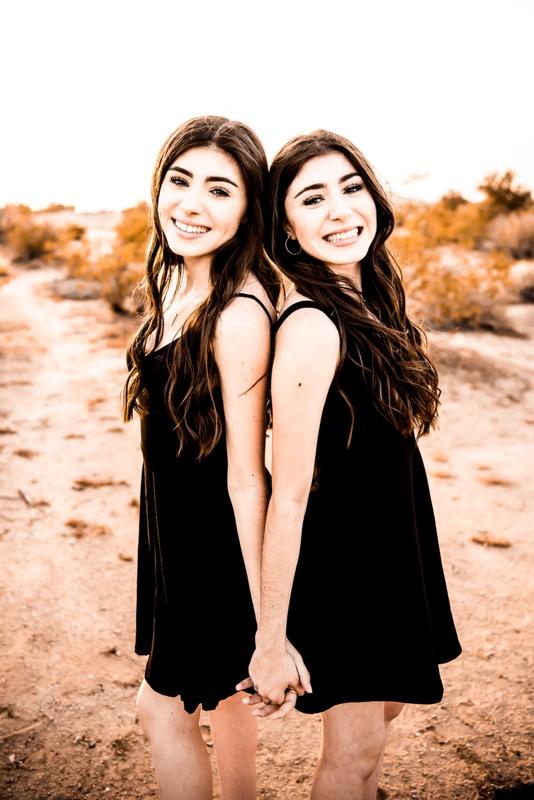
x=291, y=252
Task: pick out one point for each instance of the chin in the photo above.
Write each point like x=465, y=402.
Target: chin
x=186, y=249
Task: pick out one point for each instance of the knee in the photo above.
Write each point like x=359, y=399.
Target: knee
x=160, y=714
x=359, y=758
x=391, y=711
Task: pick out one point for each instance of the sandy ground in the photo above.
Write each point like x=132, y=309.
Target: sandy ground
x=70, y=473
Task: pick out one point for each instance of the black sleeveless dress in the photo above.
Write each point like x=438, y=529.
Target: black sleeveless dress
x=195, y=617
x=369, y=609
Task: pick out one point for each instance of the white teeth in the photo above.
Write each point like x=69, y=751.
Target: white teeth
x=190, y=228
x=340, y=237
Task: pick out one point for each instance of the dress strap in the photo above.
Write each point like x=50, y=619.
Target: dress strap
x=304, y=304
x=257, y=299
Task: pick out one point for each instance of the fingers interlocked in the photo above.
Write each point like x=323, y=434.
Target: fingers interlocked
x=266, y=706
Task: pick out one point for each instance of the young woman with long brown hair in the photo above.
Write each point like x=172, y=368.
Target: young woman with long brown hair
x=198, y=372
x=351, y=568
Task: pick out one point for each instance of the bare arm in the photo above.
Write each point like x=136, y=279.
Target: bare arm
x=307, y=350
x=242, y=354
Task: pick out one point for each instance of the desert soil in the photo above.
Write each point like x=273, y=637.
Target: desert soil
x=70, y=476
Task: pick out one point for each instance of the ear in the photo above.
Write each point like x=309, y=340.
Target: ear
x=288, y=230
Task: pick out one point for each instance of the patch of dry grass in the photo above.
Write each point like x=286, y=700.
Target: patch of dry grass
x=25, y=452
x=80, y=528
x=442, y=474
x=495, y=480
x=95, y=483
x=93, y=402
x=488, y=540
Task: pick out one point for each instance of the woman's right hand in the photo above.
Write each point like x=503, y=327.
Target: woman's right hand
x=278, y=711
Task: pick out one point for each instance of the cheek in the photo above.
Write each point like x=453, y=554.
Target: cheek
x=234, y=216
x=370, y=213
x=163, y=202
x=303, y=226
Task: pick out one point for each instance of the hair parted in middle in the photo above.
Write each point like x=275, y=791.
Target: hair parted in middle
x=194, y=375
x=391, y=351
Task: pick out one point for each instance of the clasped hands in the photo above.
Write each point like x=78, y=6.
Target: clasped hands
x=278, y=676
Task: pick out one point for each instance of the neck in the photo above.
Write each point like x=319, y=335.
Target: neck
x=351, y=271
x=197, y=275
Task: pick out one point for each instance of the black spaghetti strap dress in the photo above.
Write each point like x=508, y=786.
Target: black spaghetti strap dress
x=195, y=617
x=369, y=609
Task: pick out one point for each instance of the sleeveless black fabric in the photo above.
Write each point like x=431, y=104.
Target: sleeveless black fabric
x=257, y=299
x=369, y=609
x=195, y=618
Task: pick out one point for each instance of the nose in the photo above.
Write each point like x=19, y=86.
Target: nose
x=339, y=208
x=191, y=202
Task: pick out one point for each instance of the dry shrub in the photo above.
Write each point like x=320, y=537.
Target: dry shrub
x=513, y=234
x=452, y=220
x=27, y=239
x=77, y=259
x=30, y=240
x=450, y=286
x=121, y=270
x=55, y=207
x=503, y=195
x=454, y=275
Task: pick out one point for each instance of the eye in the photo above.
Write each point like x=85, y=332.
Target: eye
x=178, y=181
x=218, y=191
x=353, y=188
x=314, y=200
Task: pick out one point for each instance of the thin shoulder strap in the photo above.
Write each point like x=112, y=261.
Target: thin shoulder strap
x=257, y=299
x=304, y=304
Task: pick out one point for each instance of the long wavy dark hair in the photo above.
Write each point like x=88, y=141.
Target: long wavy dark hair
x=194, y=410
x=390, y=351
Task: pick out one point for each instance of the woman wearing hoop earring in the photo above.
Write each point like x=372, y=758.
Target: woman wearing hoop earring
x=351, y=567
x=292, y=249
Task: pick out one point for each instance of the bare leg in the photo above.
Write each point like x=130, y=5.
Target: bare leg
x=391, y=710
x=178, y=751
x=352, y=744
x=234, y=732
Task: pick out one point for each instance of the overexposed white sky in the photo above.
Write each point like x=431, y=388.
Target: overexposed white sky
x=436, y=93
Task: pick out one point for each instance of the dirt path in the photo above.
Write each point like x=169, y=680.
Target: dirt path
x=67, y=556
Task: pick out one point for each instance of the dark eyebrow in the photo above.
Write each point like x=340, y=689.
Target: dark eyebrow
x=181, y=169
x=221, y=180
x=211, y=179
x=321, y=185
x=307, y=189
x=350, y=175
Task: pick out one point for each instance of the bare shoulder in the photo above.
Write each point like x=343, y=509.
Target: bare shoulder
x=245, y=312
x=292, y=297
x=306, y=354
x=307, y=325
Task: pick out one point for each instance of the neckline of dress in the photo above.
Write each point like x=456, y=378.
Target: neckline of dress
x=163, y=347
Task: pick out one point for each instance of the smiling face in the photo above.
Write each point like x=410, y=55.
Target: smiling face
x=201, y=202
x=330, y=211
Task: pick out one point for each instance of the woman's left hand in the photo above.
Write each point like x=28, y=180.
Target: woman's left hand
x=265, y=668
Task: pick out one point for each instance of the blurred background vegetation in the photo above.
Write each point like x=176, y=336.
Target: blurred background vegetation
x=460, y=259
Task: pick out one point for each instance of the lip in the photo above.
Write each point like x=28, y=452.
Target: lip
x=194, y=232
x=344, y=240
